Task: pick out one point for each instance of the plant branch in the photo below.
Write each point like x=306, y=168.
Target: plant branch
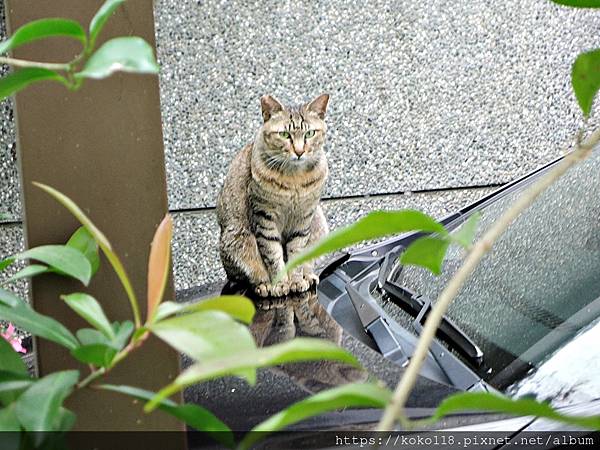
x=34, y=64
x=91, y=377
x=133, y=344
x=395, y=409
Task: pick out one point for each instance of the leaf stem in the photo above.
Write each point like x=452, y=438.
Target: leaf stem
x=395, y=410
x=91, y=377
x=133, y=344
x=34, y=64
x=125, y=282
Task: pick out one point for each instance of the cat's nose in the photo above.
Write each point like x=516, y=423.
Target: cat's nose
x=299, y=151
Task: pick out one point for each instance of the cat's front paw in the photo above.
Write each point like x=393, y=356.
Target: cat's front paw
x=280, y=289
x=273, y=290
x=262, y=290
x=303, y=280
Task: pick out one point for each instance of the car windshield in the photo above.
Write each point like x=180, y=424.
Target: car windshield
x=538, y=288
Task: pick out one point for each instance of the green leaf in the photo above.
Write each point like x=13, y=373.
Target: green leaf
x=207, y=335
x=204, y=334
x=193, y=415
x=16, y=81
x=122, y=54
x=348, y=396
x=426, y=251
x=236, y=306
x=63, y=259
x=167, y=309
x=38, y=407
x=6, y=262
x=10, y=381
x=11, y=385
x=65, y=420
x=10, y=362
x=99, y=355
x=299, y=349
x=100, y=18
x=8, y=422
x=28, y=272
x=585, y=78
x=37, y=324
x=579, y=3
x=374, y=225
x=90, y=336
x=140, y=332
x=41, y=29
x=466, y=233
x=122, y=333
x=485, y=401
x=88, y=307
x=83, y=241
x=102, y=242
x=7, y=298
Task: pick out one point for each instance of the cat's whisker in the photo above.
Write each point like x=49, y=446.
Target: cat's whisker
x=273, y=162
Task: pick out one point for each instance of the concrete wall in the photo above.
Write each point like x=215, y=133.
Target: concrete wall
x=425, y=96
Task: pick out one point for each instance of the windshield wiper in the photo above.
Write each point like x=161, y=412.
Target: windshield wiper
x=419, y=306
x=398, y=344
x=378, y=329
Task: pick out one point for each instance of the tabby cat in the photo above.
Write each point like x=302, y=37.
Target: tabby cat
x=268, y=210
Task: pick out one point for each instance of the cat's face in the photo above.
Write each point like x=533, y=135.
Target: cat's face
x=293, y=136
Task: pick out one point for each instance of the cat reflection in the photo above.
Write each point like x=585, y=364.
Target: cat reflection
x=301, y=315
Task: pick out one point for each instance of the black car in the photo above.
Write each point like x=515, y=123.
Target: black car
x=525, y=324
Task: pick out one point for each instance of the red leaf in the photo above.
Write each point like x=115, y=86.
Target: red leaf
x=158, y=264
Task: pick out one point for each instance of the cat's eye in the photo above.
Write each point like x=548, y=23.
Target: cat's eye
x=284, y=134
x=309, y=134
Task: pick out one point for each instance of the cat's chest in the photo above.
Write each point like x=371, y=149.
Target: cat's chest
x=284, y=197
x=289, y=206
x=295, y=204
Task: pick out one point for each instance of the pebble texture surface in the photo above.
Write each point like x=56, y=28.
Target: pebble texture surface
x=423, y=94
x=12, y=241
x=10, y=205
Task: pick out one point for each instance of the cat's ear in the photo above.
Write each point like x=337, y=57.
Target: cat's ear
x=269, y=106
x=319, y=105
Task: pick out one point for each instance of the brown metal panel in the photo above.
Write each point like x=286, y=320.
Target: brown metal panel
x=103, y=147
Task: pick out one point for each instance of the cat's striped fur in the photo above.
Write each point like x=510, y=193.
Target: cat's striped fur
x=268, y=209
